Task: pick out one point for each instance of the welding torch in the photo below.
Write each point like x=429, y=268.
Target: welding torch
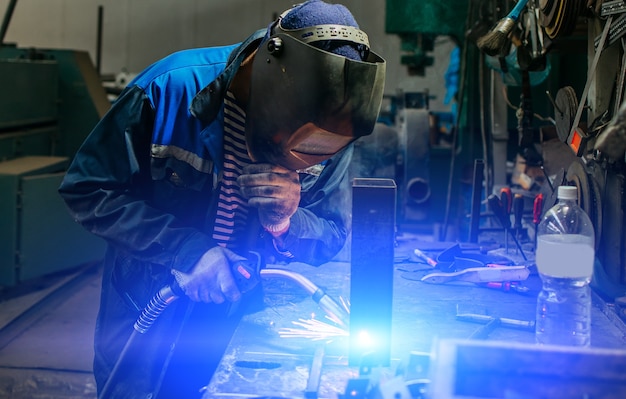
x=334, y=311
x=247, y=274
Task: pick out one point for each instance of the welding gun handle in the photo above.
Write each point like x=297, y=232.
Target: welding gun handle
x=247, y=272
x=175, y=289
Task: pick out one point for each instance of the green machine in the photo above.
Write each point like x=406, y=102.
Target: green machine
x=419, y=22
x=427, y=193
x=50, y=101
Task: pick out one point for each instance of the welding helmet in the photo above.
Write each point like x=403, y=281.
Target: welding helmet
x=307, y=103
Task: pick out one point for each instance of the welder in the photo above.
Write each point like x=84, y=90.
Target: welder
x=208, y=154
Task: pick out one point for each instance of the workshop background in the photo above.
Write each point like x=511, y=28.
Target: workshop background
x=137, y=33
x=462, y=120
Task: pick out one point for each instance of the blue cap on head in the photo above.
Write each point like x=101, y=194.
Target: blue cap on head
x=317, y=12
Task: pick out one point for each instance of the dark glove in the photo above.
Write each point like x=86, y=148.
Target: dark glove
x=274, y=190
x=211, y=279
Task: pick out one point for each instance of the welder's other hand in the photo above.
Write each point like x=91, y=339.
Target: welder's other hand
x=274, y=190
x=211, y=279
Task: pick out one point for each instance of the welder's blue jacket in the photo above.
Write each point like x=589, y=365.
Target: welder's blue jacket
x=146, y=176
x=143, y=180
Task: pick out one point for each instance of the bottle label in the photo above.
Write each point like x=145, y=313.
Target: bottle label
x=565, y=255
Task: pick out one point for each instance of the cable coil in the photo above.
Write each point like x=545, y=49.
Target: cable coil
x=153, y=310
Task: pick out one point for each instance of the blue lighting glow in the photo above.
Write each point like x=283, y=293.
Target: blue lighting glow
x=364, y=339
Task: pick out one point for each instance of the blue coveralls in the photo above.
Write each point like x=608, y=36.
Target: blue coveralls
x=145, y=181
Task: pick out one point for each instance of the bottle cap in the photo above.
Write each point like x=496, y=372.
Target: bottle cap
x=568, y=193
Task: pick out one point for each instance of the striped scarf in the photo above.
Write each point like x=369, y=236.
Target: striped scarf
x=232, y=208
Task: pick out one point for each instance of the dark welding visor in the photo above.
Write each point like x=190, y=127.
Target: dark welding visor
x=307, y=104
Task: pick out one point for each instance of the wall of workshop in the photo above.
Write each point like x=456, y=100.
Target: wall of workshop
x=138, y=32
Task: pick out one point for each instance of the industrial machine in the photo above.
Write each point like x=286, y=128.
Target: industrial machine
x=541, y=104
x=418, y=147
x=50, y=101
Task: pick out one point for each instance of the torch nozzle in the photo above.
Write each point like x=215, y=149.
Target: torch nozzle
x=334, y=311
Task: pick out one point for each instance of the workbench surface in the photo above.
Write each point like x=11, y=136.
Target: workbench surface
x=260, y=363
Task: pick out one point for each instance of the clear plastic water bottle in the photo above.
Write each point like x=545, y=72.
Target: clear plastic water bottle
x=565, y=258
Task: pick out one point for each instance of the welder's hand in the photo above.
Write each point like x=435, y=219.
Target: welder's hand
x=274, y=190
x=211, y=279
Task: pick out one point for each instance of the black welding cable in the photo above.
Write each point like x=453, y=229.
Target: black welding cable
x=162, y=299
x=166, y=363
x=106, y=390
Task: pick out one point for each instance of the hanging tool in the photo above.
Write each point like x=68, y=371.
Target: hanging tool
x=525, y=129
x=537, y=212
x=518, y=214
x=494, y=42
x=499, y=211
x=480, y=275
x=530, y=52
x=506, y=196
x=507, y=203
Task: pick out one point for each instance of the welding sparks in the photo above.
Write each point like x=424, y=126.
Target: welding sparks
x=313, y=329
x=317, y=330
